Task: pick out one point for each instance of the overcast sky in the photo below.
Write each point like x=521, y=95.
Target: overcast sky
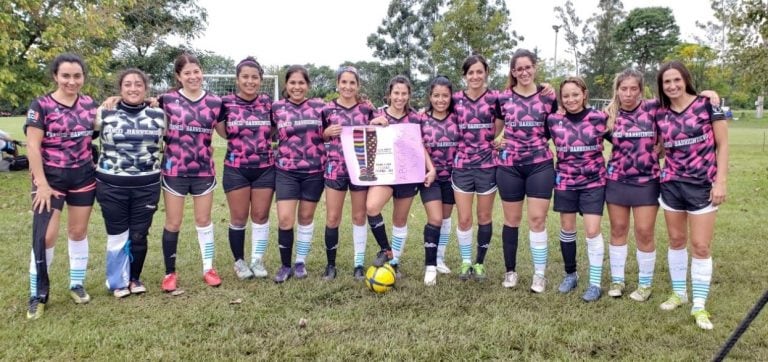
x=328, y=32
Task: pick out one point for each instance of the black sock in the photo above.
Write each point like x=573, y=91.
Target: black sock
x=170, y=243
x=138, y=253
x=431, y=239
x=509, y=236
x=484, y=233
x=331, y=244
x=568, y=249
x=379, y=231
x=237, y=242
x=285, y=243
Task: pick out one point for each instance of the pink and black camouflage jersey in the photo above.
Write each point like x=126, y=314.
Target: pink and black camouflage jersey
x=67, y=130
x=525, y=128
x=188, y=150
x=441, y=140
x=477, y=122
x=300, y=146
x=689, y=141
x=249, y=131
x=334, y=113
x=578, y=140
x=633, y=158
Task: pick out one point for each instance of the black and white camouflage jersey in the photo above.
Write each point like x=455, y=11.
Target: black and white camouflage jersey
x=131, y=140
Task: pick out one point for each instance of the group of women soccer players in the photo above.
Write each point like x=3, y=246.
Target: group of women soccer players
x=477, y=141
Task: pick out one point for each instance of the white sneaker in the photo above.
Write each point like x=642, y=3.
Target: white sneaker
x=257, y=267
x=442, y=268
x=510, y=280
x=242, y=270
x=430, y=276
x=539, y=283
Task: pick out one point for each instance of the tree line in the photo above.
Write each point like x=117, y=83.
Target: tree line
x=417, y=38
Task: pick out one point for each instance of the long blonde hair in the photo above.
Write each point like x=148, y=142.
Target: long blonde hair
x=612, y=109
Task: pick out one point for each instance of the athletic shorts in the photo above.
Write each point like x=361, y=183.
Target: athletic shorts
x=534, y=180
x=626, y=194
x=481, y=181
x=257, y=178
x=677, y=196
x=78, y=185
x=127, y=208
x=343, y=184
x=438, y=190
x=404, y=191
x=298, y=185
x=586, y=201
x=183, y=186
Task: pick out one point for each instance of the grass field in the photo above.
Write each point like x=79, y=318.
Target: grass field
x=452, y=321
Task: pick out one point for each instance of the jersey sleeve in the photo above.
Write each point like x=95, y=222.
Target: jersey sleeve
x=715, y=113
x=35, y=116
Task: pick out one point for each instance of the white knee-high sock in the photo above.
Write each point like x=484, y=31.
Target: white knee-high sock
x=646, y=263
x=78, y=261
x=33, y=269
x=465, y=245
x=539, y=252
x=618, y=259
x=678, y=271
x=701, y=277
x=205, y=239
x=399, y=236
x=359, y=241
x=304, y=235
x=259, y=240
x=445, y=236
x=596, y=251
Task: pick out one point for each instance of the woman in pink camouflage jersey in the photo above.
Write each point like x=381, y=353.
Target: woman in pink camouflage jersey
x=249, y=172
x=59, y=129
x=188, y=165
x=694, y=134
x=579, y=181
x=299, y=181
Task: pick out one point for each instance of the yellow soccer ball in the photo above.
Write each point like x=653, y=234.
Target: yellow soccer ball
x=380, y=279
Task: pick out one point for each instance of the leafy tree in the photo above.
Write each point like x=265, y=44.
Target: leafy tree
x=748, y=42
x=405, y=34
x=699, y=59
x=472, y=26
x=33, y=32
x=646, y=36
x=570, y=26
x=602, y=61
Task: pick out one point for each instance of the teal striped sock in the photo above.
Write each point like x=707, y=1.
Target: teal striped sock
x=78, y=261
x=596, y=251
x=304, y=241
x=259, y=240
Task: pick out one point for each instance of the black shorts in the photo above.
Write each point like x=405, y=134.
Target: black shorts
x=481, y=181
x=78, y=185
x=343, y=184
x=404, y=191
x=677, y=196
x=127, y=208
x=438, y=190
x=534, y=180
x=299, y=185
x=257, y=178
x=627, y=194
x=586, y=201
x=183, y=186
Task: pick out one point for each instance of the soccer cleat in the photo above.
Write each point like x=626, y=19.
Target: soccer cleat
x=283, y=274
x=570, y=281
x=79, y=295
x=137, y=287
x=430, y=275
x=299, y=270
x=36, y=308
x=641, y=294
x=258, y=269
x=121, y=293
x=242, y=270
x=442, y=268
x=539, y=283
x=617, y=289
x=478, y=270
x=465, y=272
x=212, y=278
x=169, y=282
x=702, y=319
x=592, y=294
x=330, y=272
x=673, y=302
x=510, y=280
x=358, y=273
x=382, y=257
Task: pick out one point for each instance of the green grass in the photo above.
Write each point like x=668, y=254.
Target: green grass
x=451, y=321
